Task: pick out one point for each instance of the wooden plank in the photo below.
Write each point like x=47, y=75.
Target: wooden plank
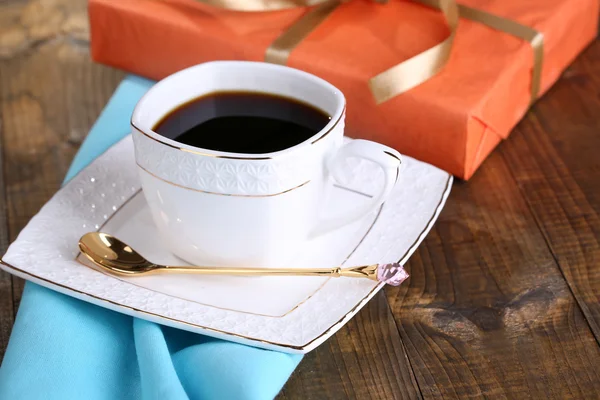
x=364, y=360
x=8, y=13
x=555, y=159
x=51, y=93
x=487, y=312
x=6, y=294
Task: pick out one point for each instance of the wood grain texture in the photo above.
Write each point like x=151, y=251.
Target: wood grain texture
x=364, y=360
x=487, y=312
x=555, y=159
x=6, y=292
x=504, y=298
x=50, y=95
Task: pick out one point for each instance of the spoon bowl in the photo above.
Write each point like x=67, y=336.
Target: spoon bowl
x=111, y=253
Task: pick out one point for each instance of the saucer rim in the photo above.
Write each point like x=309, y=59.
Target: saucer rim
x=304, y=348
x=292, y=345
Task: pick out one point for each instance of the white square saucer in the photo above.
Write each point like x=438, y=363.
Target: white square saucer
x=293, y=314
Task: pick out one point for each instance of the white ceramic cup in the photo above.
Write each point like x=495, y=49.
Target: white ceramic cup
x=219, y=208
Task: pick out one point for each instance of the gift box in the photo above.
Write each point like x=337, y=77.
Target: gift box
x=501, y=55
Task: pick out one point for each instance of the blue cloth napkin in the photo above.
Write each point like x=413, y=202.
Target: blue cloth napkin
x=64, y=348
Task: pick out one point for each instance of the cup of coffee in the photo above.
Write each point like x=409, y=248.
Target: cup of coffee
x=236, y=159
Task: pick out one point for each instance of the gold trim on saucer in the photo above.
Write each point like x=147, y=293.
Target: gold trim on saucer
x=360, y=304
x=137, y=193
x=222, y=194
x=81, y=257
x=250, y=339
x=446, y=190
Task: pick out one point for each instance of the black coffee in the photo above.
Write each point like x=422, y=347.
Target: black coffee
x=242, y=122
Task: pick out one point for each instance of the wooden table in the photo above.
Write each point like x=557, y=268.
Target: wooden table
x=504, y=299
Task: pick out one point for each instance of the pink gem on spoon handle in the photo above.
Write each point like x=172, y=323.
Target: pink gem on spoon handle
x=392, y=274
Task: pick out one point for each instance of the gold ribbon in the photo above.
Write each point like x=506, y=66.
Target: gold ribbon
x=387, y=84
x=420, y=68
x=533, y=37
x=279, y=51
x=409, y=73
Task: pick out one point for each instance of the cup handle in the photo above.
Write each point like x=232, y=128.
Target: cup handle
x=388, y=159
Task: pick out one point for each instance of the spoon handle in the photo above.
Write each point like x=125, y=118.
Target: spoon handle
x=363, y=271
x=117, y=257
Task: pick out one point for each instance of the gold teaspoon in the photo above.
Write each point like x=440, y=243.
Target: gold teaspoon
x=115, y=256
